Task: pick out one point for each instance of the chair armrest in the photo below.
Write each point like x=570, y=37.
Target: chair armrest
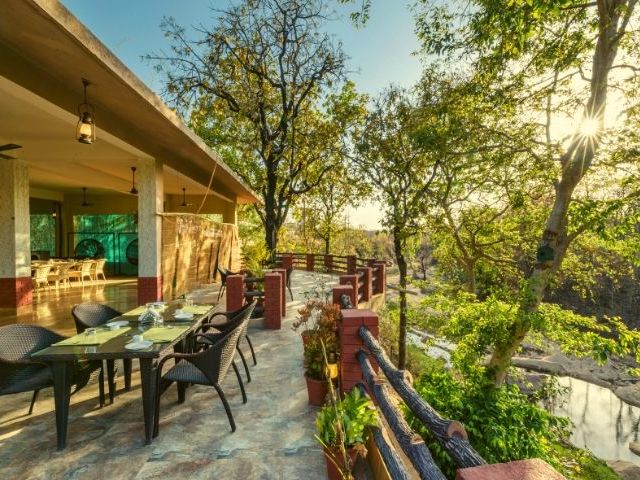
x=182, y=356
x=208, y=338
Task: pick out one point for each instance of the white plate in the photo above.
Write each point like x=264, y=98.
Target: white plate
x=183, y=316
x=117, y=324
x=139, y=345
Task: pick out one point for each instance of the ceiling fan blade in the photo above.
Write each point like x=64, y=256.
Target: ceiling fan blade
x=7, y=157
x=9, y=146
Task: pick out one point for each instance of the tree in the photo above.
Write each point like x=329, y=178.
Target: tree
x=254, y=81
x=552, y=62
x=401, y=176
x=323, y=208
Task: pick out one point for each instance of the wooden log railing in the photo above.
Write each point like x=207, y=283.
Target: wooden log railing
x=337, y=264
x=410, y=442
x=449, y=433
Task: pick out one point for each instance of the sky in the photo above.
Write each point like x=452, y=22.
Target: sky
x=381, y=53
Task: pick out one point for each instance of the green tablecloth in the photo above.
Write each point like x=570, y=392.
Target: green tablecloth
x=164, y=334
x=101, y=336
x=197, y=309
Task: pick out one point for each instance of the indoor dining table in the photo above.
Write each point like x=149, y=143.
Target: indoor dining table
x=110, y=345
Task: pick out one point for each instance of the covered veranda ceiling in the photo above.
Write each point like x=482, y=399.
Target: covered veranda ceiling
x=58, y=162
x=46, y=51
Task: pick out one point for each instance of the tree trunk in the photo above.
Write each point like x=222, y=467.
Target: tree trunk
x=471, y=276
x=576, y=163
x=402, y=327
x=327, y=245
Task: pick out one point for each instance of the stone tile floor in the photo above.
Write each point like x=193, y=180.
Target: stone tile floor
x=274, y=439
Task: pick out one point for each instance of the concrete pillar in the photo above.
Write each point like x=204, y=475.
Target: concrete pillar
x=235, y=292
x=273, y=300
x=310, y=262
x=150, y=203
x=287, y=261
x=533, y=468
x=381, y=278
x=351, y=343
x=351, y=264
x=367, y=284
x=340, y=290
x=15, y=236
x=328, y=262
x=283, y=292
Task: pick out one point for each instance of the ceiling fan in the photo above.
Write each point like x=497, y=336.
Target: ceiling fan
x=8, y=146
x=134, y=190
x=84, y=198
x=184, y=198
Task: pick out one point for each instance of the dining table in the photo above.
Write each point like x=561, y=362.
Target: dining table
x=110, y=344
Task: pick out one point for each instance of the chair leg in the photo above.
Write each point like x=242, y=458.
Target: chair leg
x=235, y=369
x=182, y=389
x=111, y=380
x=127, y=373
x=33, y=401
x=253, y=354
x=101, y=386
x=226, y=406
x=221, y=291
x=156, y=419
x=244, y=362
x=290, y=292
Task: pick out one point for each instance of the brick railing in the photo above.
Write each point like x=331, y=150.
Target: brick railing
x=367, y=275
x=361, y=360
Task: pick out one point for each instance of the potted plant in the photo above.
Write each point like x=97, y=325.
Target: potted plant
x=315, y=368
x=342, y=429
x=316, y=317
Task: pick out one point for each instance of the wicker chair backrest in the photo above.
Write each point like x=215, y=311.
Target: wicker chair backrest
x=17, y=343
x=86, y=267
x=99, y=265
x=42, y=273
x=214, y=362
x=88, y=315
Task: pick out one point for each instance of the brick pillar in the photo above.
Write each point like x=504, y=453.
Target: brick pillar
x=273, y=300
x=366, y=288
x=353, y=281
x=328, y=262
x=287, y=260
x=235, y=292
x=350, y=343
x=283, y=290
x=351, y=264
x=340, y=290
x=15, y=235
x=310, y=262
x=150, y=203
x=533, y=468
x=381, y=278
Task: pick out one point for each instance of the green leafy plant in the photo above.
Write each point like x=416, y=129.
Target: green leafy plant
x=314, y=363
x=354, y=414
x=502, y=423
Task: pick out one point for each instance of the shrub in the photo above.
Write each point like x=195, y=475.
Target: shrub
x=502, y=424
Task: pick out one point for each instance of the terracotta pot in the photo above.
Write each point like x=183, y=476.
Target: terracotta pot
x=333, y=473
x=317, y=391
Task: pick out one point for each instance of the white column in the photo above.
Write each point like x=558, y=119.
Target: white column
x=15, y=242
x=150, y=203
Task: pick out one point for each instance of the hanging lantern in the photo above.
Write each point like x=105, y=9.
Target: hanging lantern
x=332, y=366
x=86, y=128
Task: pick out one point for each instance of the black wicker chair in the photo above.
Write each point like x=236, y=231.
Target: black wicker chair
x=224, y=273
x=208, y=367
x=19, y=373
x=208, y=333
x=88, y=315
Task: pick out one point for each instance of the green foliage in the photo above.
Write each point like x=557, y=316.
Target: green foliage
x=502, y=424
x=354, y=414
x=477, y=326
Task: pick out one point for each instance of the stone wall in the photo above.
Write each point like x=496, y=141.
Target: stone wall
x=192, y=249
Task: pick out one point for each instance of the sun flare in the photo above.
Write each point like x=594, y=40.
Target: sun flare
x=589, y=127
